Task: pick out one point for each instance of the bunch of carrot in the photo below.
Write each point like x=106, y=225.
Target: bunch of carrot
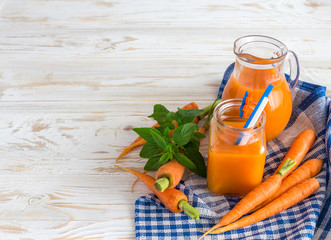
x=168, y=175
x=278, y=192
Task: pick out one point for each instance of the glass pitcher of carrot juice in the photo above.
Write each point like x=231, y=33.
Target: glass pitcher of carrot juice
x=236, y=155
x=260, y=62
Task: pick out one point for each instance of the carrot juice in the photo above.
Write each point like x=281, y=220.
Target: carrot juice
x=279, y=107
x=234, y=167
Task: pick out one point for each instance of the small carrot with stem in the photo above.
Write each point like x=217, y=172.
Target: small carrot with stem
x=286, y=200
x=173, y=199
x=299, y=149
x=255, y=197
x=170, y=174
x=308, y=170
x=140, y=141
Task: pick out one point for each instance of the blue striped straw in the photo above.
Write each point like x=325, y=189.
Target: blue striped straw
x=264, y=95
x=249, y=122
x=243, y=104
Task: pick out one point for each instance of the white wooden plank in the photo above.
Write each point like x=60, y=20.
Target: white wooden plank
x=155, y=43
x=57, y=229
x=168, y=79
x=168, y=14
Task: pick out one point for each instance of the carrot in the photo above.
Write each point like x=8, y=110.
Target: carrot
x=286, y=200
x=308, y=170
x=299, y=149
x=202, y=130
x=170, y=174
x=191, y=105
x=140, y=141
x=255, y=197
x=173, y=199
x=134, y=183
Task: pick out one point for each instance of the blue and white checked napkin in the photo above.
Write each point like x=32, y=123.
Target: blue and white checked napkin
x=309, y=219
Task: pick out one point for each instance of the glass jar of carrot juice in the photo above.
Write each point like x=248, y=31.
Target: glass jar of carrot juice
x=236, y=156
x=260, y=62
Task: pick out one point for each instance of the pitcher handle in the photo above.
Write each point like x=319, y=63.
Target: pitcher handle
x=294, y=69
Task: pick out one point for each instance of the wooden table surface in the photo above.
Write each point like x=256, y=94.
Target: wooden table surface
x=76, y=76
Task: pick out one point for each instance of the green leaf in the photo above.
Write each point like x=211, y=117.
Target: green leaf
x=199, y=135
x=183, y=134
x=166, y=133
x=195, y=141
x=170, y=150
x=195, y=156
x=155, y=162
x=152, y=136
x=187, y=116
x=171, y=116
x=159, y=140
x=159, y=114
x=163, y=126
x=146, y=133
x=185, y=161
x=175, y=149
x=165, y=157
x=149, y=150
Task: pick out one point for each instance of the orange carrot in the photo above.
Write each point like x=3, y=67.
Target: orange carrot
x=255, y=197
x=202, y=130
x=308, y=170
x=286, y=200
x=299, y=149
x=173, y=199
x=140, y=141
x=191, y=105
x=170, y=174
x=134, y=183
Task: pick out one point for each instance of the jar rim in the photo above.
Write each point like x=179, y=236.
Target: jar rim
x=222, y=106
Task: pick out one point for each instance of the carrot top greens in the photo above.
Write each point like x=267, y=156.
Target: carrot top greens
x=177, y=137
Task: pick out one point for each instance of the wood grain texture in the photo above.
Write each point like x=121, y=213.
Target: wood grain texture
x=77, y=76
